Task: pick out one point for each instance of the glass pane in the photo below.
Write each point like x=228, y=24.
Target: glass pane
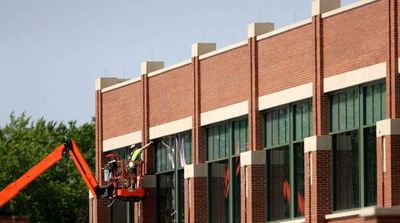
x=377, y=102
x=210, y=143
x=298, y=180
x=334, y=113
x=370, y=166
x=188, y=148
x=219, y=191
x=216, y=143
x=158, y=156
x=346, y=170
x=278, y=186
x=236, y=190
x=268, y=129
x=306, y=110
x=181, y=191
x=350, y=109
x=368, y=103
x=383, y=99
x=222, y=141
x=243, y=135
x=342, y=111
x=166, y=198
x=120, y=212
x=236, y=137
x=275, y=128
x=298, y=121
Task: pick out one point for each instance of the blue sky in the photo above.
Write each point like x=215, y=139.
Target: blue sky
x=51, y=51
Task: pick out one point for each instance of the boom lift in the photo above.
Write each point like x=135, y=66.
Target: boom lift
x=121, y=184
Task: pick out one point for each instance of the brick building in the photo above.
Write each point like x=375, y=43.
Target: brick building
x=297, y=124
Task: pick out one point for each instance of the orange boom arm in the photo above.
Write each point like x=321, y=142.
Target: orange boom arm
x=50, y=160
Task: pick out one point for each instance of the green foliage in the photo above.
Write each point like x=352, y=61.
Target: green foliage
x=59, y=194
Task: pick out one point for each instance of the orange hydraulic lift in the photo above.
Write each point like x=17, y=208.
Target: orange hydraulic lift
x=116, y=187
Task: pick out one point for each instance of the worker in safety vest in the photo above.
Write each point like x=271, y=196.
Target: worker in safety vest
x=134, y=157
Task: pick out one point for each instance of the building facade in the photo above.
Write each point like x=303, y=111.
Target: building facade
x=297, y=124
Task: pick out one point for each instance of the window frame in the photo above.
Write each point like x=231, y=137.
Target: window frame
x=230, y=158
x=360, y=128
x=290, y=146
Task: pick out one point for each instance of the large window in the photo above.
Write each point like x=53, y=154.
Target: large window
x=285, y=129
x=121, y=211
x=172, y=154
x=225, y=141
x=354, y=113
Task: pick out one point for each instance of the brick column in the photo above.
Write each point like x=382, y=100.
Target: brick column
x=195, y=175
x=317, y=149
x=253, y=187
x=98, y=210
x=196, y=193
x=317, y=178
x=388, y=165
x=255, y=119
x=146, y=208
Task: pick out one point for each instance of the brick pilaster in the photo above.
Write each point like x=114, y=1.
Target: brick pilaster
x=254, y=116
x=317, y=178
x=196, y=193
x=145, y=122
x=100, y=212
x=252, y=186
x=147, y=206
x=388, y=166
x=392, y=75
x=198, y=133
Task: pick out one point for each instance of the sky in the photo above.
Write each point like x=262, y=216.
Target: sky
x=52, y=51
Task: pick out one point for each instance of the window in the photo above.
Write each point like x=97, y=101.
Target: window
x=354, y=113
x=225, y=141
x=172, y=154
x=285, y=129
x=121, y=211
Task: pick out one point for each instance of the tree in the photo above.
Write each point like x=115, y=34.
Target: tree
x=59, y=194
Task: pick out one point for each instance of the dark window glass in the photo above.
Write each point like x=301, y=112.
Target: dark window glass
x=236, y=189
x=299, y=179
x=166, y=198
x=370, y=166
x=121, y=211
x=346, y=170
x=278, y=185
x=219, y=177
x=181, y=191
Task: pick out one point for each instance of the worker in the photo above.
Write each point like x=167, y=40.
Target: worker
x=134, y=157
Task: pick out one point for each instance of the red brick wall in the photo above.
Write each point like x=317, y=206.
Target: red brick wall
x=356, y=38
x=225, y=79
x=198, y=211
x=171, y=95
x=286, y=60
x=122, y=110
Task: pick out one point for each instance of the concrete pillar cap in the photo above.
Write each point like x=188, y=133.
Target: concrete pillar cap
x=150, y=66
x=322, y=6
x=256, y=29
x=199, y=49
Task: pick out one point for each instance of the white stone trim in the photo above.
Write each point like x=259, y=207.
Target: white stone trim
x=122, y=141
x=225, y=113
x=149, y=181
x=171, y=127
x=315, y=143
x=284, y=29
x=380, y=211
x=301, y=220
x=343, y=214
x=255, y=157
x=121, y=84
x=168, y=68
x=223, y=50
x=355, y=77
x=195, y=170
x=90, y=195
x=388, y=127
x=285, y=96
x=105, y=82
x=347, y=8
